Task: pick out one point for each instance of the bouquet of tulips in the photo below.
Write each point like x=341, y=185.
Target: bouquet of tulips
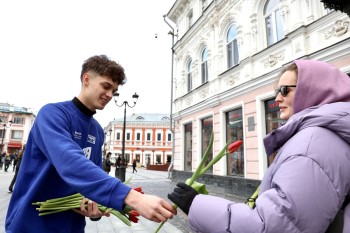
x=61, y=204
x=201, y=169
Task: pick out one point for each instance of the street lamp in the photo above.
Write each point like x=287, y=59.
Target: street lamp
x=3, y=132
x=120, y=172
x=173, y=34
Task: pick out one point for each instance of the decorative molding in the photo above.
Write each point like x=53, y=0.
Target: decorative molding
x=231, y=80
x=341, y=27
x=273, y=59
x=204, y=93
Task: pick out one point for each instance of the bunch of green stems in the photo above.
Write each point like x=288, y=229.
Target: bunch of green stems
x=201, y=169
x=73, y=201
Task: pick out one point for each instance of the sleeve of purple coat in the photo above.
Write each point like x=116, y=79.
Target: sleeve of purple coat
x=302, y=198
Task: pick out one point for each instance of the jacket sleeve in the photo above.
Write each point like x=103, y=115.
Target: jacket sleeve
x=300, y=200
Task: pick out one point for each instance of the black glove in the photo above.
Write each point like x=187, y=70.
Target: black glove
x=183, y=196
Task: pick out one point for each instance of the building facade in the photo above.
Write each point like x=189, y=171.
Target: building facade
x=16, y=123
x=148, y=139
x=227, y=56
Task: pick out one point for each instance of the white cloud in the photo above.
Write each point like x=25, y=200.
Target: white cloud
x=44, y=43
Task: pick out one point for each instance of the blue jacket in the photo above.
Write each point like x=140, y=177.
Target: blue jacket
x=63, y=156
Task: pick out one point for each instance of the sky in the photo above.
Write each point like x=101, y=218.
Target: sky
x=44, y=43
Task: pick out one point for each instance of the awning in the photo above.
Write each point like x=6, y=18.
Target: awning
x=12, y=145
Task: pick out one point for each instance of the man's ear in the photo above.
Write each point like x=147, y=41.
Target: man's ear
x=86, y=79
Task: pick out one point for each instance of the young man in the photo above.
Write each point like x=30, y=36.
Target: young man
x=63, y=157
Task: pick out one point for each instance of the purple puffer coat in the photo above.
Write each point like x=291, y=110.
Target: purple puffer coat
x=309, y=179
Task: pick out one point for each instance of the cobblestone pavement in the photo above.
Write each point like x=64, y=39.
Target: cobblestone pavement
x=152, y=182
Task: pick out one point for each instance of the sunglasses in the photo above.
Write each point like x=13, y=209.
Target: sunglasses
x=284, y=90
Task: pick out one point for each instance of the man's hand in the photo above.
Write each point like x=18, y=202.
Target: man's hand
x=91, y=211
x=151, y=207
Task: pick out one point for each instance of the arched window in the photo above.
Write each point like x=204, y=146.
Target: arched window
x=204, y=65
x=232, y=47
x=189, y=76
x=273, y=22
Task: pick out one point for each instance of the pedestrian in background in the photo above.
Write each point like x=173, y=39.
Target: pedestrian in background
x=7, y=162
x=307, y=185
x=134, y=166
x=18, y=164
x=63, y=156
x=107, y=163
x=15, y=160
x=2, y=161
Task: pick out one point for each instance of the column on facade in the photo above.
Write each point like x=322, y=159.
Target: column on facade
x=296, y=13
x=253, y=33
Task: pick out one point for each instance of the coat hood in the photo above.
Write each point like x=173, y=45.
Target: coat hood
x=319, y=83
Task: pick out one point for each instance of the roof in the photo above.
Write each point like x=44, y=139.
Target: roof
x=145, y=117
x=5, y=107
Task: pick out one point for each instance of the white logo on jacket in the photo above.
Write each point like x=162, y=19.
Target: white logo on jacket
x=87, y=152
x=91, y=139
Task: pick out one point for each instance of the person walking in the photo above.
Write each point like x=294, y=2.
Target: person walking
x=307, y=185
x=134, y=166
x=107, y=163
x=2, y=160
x=18, y=164
x=63, y=156
x=7, y=162
x=14, y=161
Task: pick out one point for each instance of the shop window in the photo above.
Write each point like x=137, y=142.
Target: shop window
x=188, y=147
x=234, y=132
x=207, y=129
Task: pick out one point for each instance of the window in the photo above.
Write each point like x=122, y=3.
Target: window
x=3, y=120
x=207, y=128
x=273, y=22
x=234, y=132
x=148, y=136
x=190, y=19
x=2, y=133
x=138, y=136
x=128, y=136
x=18, y=120
x=204, y=65
x=118, y=136
x=17, y=134
x=232, y=47
x=188, y=147
x=158, y=159
x=204, y=4
x=159, y=137
x=189, y=76
x=273, y=121
x=169, y=137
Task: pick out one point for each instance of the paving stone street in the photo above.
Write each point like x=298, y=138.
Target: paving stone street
x=152, y=182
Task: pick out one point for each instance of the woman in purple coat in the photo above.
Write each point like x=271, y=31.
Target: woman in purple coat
x=309, y=180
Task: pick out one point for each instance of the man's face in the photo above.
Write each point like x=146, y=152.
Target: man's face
x=97, y=90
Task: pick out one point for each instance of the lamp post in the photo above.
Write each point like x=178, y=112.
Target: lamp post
x=173, y=34
x=3, y=132
x=120, y=172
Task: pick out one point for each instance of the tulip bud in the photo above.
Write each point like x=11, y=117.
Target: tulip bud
x=234, y=146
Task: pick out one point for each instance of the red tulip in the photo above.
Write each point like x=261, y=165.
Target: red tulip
x=234, y=146
x=138, y=189
x=133, y=216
